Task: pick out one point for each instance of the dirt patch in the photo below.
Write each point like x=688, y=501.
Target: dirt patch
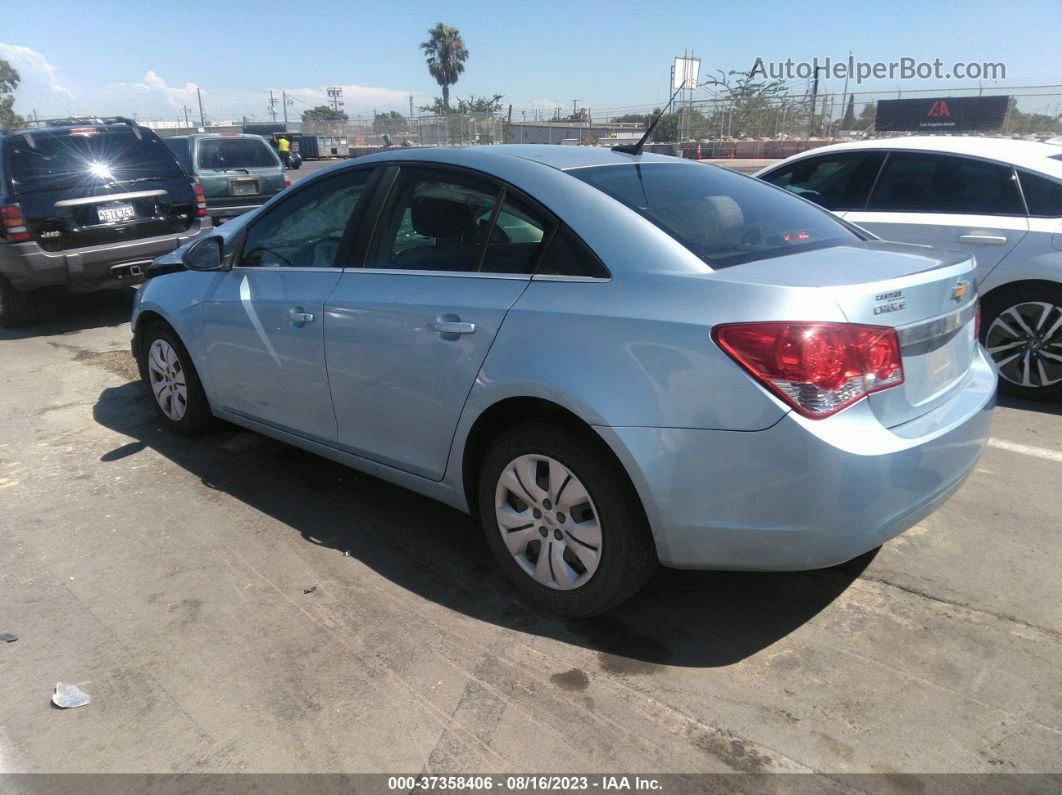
x=575, y=679
x=118, y=362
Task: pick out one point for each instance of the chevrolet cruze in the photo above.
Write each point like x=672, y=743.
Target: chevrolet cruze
x=612, y=360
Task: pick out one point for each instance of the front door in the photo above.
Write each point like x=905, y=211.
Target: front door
x=405, y=337
x=263, y=321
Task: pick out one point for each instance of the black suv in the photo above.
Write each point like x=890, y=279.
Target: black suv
x=85, y=205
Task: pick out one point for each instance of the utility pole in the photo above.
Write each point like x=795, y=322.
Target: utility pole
x=185, y=109
x=814, y=98
x=273, y=106
x=199, y=96
x=284, y=102
x=575, y=111
x=334, y=93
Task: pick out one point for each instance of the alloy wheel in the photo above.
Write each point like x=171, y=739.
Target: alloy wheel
x=167, y=379
x=1025, y=341
x=548, y=522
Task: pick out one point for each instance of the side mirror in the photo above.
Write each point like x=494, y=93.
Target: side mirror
x=207, y=254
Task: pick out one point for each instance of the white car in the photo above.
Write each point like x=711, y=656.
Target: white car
x=999, y=200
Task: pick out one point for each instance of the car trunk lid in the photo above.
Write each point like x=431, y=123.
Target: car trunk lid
x=927, y=295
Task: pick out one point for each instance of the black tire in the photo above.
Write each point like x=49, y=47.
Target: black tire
x=627, y=554
x=1020, y=298
x=17, y=307
x=197, y=417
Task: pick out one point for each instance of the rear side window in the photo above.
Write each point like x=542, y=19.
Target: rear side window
x=722, y=217
x=836, y=182
x=226, y=153
x=179, y=147
x=1043, y=196
x=567, y=256
x=515, y=241
x=85, y=161
x=926, y=183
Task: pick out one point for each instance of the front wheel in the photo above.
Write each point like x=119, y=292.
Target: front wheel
x=174, y=383
x=1022, y=332
x=563, y=520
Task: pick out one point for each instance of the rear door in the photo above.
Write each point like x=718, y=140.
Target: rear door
x=406, y=335
x=947, y=201
x=263, y=320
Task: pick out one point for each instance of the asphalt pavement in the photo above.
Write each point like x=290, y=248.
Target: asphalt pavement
x=232, y=604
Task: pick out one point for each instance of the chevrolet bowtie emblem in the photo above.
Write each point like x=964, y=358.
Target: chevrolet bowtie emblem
x=960, y=291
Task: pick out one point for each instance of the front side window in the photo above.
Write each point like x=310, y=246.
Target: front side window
x=724, y=218
x=1043, y=196
x=924, y=183
x=436, y=222
x=227, y=153
x=306, y=230
x=836, y=182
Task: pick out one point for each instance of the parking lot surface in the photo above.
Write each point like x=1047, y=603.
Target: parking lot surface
x=232, y=604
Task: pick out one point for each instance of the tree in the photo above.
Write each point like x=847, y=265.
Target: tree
x=392, y=122
x=446, y=54
x=868, y=115
x=9, y=80
x=752, y=108
x=848, y=122
x=323, y=113
x=473, y=104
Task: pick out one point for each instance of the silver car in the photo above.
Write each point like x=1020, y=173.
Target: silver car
x=998, y=200
x=613, y=361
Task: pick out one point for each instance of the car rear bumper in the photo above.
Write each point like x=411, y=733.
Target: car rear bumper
x=27, y=266
x=225, y=209
x=802, y=494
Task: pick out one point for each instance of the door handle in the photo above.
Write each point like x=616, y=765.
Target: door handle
x=452, y=327
x=983, y=240
x=299, y=319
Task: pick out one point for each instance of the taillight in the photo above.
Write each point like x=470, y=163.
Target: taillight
x=817, y=368
x=200, y=199
x=287, y=182
x=13, y=228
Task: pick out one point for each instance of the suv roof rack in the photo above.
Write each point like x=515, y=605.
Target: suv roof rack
x=72, y=121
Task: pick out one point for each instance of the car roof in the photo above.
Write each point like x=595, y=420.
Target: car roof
x=1025, y=154
x=556, y=156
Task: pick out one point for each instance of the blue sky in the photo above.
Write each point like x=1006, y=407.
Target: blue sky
x=148, y=57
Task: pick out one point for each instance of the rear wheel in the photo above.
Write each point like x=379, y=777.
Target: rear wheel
x=1022, y=331
x=563, y=521
x=17, y=307
x=175, y=387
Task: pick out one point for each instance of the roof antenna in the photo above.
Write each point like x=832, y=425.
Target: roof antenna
x=637, y=148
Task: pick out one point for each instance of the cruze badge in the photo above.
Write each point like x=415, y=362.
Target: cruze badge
x=893, y=299
x=960, y=291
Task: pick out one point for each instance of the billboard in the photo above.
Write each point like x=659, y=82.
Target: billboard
x=941, y=114
x=687, y=70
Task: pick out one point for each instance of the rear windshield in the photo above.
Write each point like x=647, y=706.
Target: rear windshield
x=223, y=153
x=60, y=160
x=722, y=217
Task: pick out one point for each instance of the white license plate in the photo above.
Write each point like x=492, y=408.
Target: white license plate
x=241, y=188
x=113, y=213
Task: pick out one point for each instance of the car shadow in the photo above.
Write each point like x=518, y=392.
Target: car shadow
x=57, y=313
x=1041, y=406
x=697, y=619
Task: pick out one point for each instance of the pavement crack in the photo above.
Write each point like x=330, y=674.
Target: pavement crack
x=962, y=605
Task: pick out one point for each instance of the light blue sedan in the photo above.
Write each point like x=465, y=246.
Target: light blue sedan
x=613, y=360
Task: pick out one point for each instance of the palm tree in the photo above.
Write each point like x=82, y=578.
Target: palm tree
x=446, y=55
